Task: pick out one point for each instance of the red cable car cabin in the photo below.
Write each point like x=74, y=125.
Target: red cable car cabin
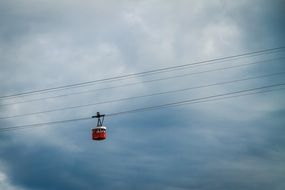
x=99, y=133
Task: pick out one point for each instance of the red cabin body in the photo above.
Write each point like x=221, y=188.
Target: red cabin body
x=99, y=133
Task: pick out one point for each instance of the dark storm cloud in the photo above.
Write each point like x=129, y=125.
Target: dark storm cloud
x=234, y=144
x=146, y=155
x=265, y=25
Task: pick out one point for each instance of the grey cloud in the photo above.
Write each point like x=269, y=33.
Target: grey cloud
x=148, y=156
x=231, y=144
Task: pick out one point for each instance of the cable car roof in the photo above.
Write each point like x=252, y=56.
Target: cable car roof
x=100, y=127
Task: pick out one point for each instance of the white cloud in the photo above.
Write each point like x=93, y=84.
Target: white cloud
x=5, y=183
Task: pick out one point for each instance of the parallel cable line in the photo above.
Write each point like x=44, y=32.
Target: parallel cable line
x=146, y=81
x=235, y=96
x=140, y=73
x=184, y=102
x=144, y=96
x=42, y=124
x=263, y=89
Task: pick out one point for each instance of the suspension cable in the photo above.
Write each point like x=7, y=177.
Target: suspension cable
x=264, y=51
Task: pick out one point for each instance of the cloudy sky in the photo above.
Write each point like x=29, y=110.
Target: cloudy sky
x=235, y=143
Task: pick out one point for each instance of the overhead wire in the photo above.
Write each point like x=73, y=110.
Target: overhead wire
x=233, y=94
x=264, y=51
x=146, y=95
x=184, y=102
x=42, y=124
x=145, y=81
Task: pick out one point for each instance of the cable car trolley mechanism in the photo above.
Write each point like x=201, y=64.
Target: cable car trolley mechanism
x=99, y=132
